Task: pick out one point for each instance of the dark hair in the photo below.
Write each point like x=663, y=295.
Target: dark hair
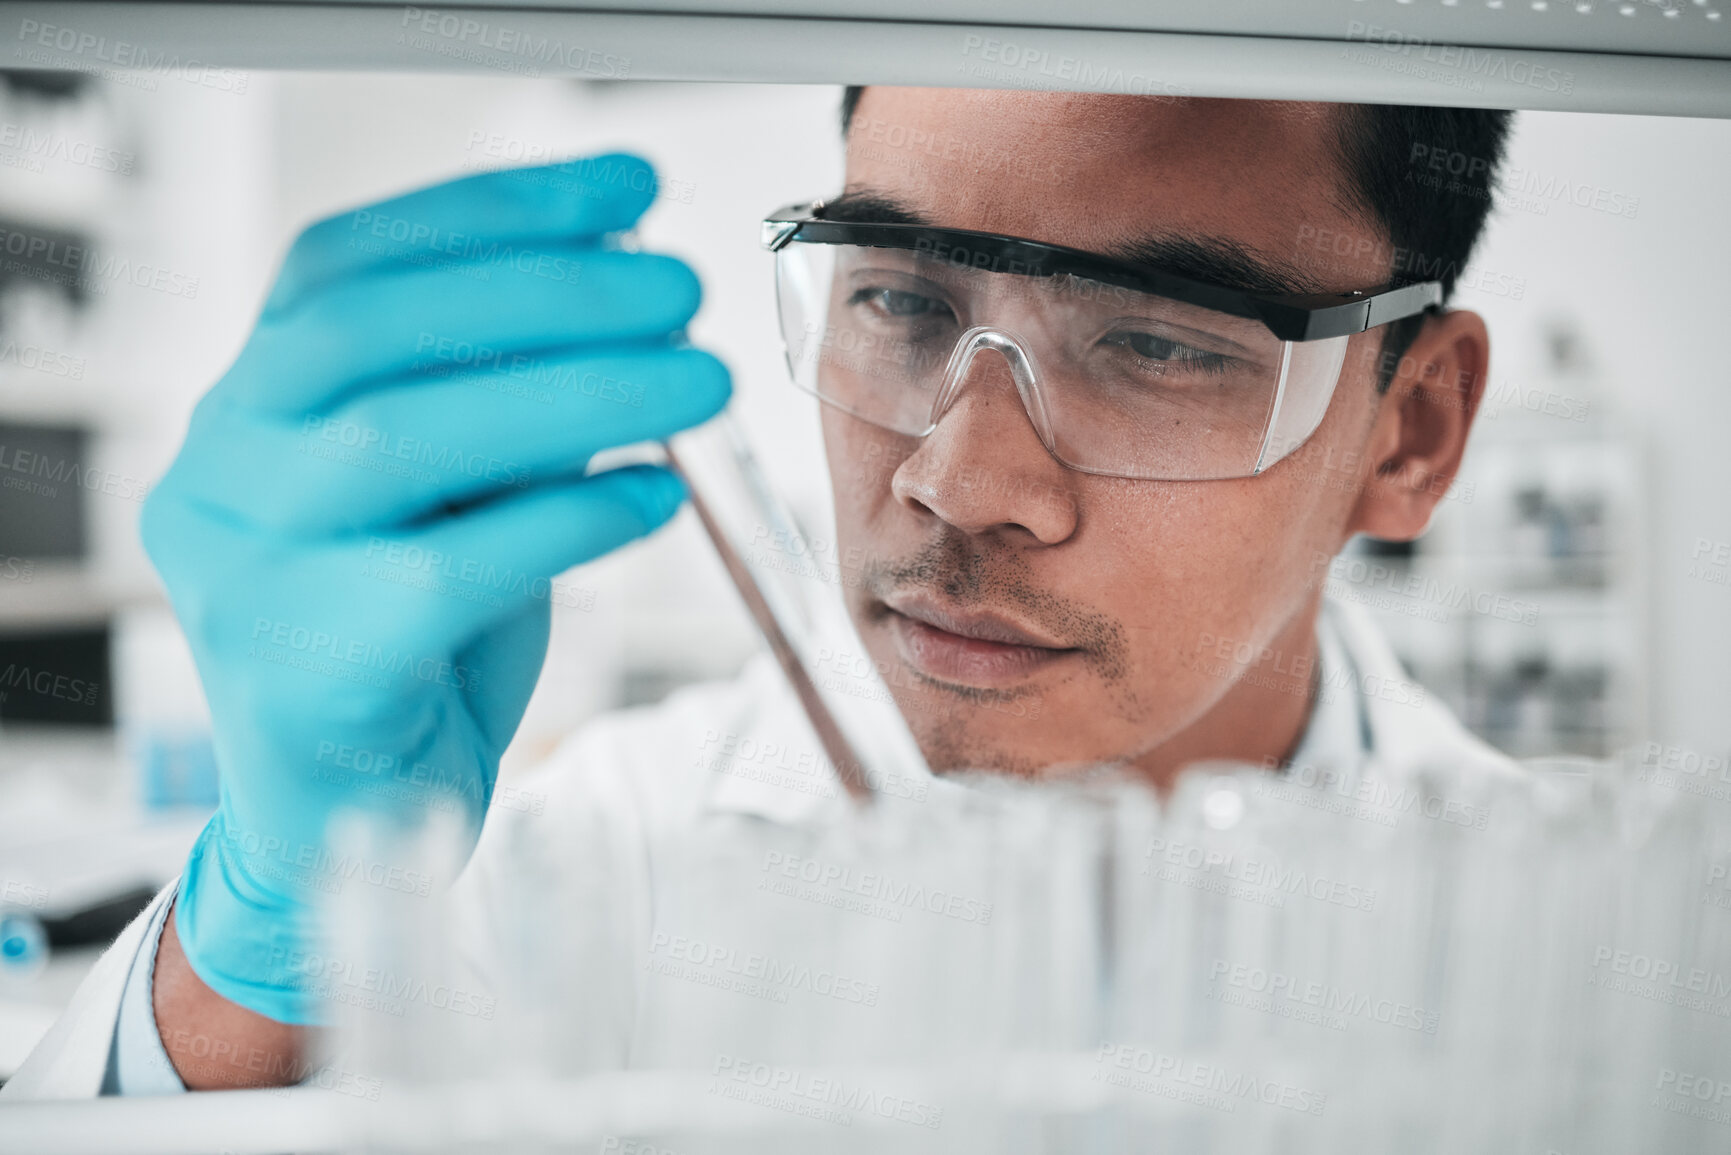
x=1424, y=174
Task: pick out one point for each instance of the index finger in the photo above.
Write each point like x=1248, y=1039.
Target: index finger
x=573, y=200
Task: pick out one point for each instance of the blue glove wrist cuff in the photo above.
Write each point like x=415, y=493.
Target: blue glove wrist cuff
x=249, y=944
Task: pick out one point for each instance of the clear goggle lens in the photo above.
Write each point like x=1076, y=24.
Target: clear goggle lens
x=1115, y=381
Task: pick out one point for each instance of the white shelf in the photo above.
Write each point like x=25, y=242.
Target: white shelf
x=1291, y=49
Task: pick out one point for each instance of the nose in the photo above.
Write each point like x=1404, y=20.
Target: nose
x=984, y=469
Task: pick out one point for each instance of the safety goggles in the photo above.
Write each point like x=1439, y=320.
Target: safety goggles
x=1124, y=369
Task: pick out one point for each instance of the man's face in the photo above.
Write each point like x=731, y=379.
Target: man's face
x=975, y=537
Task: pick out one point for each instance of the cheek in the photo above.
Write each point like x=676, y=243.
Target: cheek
x=1317, y=487
x=1177, y=561
x=862, y=461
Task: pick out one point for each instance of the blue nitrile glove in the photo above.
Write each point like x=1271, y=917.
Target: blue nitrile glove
x=359, y=534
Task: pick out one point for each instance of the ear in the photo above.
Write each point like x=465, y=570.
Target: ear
x=1420, y=431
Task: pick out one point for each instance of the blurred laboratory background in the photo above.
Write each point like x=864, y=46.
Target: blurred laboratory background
x=1572, y=595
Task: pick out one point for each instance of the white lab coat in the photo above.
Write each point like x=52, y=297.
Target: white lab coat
x=614, y=797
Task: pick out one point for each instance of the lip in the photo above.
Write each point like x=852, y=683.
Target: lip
x=983, y=650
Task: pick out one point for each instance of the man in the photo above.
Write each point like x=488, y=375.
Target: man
x=1089, y=469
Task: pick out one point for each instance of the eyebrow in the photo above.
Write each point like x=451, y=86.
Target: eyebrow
x=1218, y=261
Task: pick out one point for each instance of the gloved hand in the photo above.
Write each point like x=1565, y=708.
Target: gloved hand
x=359, y=533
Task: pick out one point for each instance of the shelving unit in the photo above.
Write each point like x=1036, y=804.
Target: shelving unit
x=1523, y=606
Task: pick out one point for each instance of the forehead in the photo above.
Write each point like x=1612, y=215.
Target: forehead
x=1099, y=171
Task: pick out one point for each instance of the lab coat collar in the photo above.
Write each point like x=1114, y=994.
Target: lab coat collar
x=1340, y=732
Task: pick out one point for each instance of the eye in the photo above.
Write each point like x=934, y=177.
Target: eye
x=1166, y=352
x=899, y=303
